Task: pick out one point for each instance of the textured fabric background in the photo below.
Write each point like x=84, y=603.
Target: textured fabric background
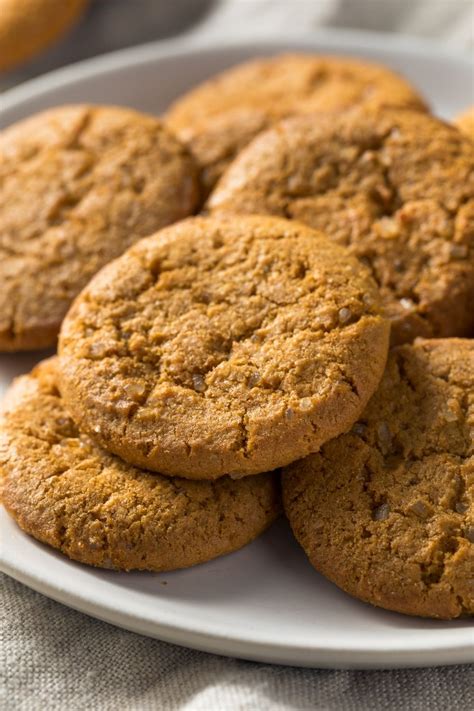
x=55, y=658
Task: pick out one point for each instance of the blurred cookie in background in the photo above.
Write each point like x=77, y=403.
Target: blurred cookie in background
x=29, y=26
x=221, y=116
x=465, y=122
x=105, y=26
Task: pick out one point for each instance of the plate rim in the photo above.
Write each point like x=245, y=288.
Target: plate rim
x=421, y=48
x=456, y=645
x=457, y=648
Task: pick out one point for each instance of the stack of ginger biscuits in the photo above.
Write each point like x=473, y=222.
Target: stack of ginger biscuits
x=262, y=301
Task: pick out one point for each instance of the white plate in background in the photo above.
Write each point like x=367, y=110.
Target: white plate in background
x=151, y=76
x=264, y=602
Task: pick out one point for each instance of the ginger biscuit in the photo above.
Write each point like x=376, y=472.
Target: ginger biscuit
x=465, y=122
x=386, y=511
x=223, y=346
x=219, y=117
x=67, y=492
x=395, y=187
x=78, y=185
x=27, y=27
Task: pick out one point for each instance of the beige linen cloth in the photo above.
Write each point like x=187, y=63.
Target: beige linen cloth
x=52, y=657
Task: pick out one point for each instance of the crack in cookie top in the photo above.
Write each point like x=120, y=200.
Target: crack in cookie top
x=396, y=187
x=67, y=492
x=78, y=186
x=223, y=346
x=386, y=511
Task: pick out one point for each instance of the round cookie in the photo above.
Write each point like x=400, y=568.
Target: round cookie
x=396, y=187
x=465, y=122
x=219, y=117
x=223, y=347
x=67, y=492
x=386, y=511
x=29, y=26
x=78, y=185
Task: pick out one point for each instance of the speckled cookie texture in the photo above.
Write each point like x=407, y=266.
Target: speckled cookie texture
x=66, y=492
x=29, y=26
x=465, y=122
x=386, y=511
x=78, y=185
x=219, y=117
x=223, y=346
x=396, y=187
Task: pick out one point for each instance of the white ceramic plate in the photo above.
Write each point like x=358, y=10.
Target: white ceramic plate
x=264, y=602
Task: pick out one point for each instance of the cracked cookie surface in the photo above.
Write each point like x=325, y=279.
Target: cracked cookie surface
x=67, y=492
x=465, y=122
x=386, y=511
x=78, y=185
x=218, y=118
x=223, y=346
x=396, y=187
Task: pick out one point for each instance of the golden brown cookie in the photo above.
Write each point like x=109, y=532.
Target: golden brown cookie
x=66, y=492
x=386, y=511
x=396, y=187
x=29, y=26
x=223, y=347
x=465, y=122
x=221, y=116
x=78, y=185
